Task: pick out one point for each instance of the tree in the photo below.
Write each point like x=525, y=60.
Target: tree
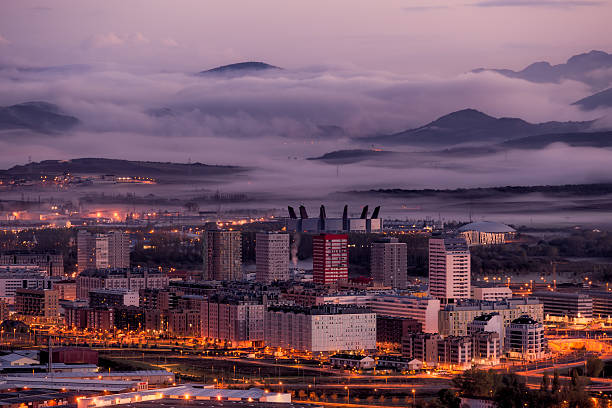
x=477, y=383
x=556, y=385
x=448, y=398
x=545, y=382
x=594, y=367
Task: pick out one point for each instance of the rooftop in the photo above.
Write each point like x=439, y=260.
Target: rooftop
x=487, y=226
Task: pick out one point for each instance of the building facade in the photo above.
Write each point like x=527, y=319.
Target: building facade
x=52, y=263
x=102, y=251
x=223, y=255
x=525, y=339
x=449, y=269
x=562, y=304
x=321, y=329
x=389, y=263
x=272, y=257
x=329, y=258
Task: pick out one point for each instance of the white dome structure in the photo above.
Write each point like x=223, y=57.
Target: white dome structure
x=487, y=226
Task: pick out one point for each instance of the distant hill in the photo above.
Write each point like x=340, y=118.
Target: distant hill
x=352, y=156
x=582, y=139
x=121, y=168
x=41, y=117
x=472, y=126
x=601, y=99
x=240, y=68
x=578, y=68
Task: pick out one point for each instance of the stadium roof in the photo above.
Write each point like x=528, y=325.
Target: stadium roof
x=486, y=226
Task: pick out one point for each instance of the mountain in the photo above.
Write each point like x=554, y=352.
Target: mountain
x=472, y=126
x=240, y=68
x=41, y=117
x=601, y=99
x=584, y=139
x=352, y=156
x=580, y=67
x=121, y=168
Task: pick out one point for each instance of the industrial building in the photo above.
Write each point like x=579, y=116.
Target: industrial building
x=324, y=224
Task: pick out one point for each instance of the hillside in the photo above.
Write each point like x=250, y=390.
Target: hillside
x=41, y=117
x=240, y=68
x=582, y=139
x=601, y=99
x=472, y=126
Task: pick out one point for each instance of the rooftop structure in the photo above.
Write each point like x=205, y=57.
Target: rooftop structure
x=333, y=225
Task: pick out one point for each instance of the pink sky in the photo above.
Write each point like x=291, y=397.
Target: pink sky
x=434, y=36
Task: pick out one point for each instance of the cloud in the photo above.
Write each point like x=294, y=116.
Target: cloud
x=3, y=40
x=115, y=40
x=424, y=8
x=169, y=42
x=538, y=3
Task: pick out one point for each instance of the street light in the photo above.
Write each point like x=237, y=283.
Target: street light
x=413, y=397
x=348, y=394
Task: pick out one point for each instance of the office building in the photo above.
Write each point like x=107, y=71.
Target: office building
x=223, y=255
x=565, y=304
x=53, y=264
x=272, y=257
x=602, y=303
x=486, y=348
x=113, y=298
x=320, y=329
x=488, y=322
x=449, y=269
x=421, y=346
x=11, y=282
x=132, y=280
x=389, y=263
x=423, y=309
x=491, y=292
x=237, y=321
x=102, y=251
x=37, y=302
x=329, y=258
x=391, y=330
x=455, y=352
x=454, y=319
x=525, y=339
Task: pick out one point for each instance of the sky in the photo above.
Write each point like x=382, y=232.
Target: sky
x=367, y=67
x=401, y=36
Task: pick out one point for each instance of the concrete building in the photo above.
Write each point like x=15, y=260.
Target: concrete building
x=39, y=303
x=486, y=348
x=132, y=280
x=422, y=346
x=113, y=298
x=223, y=255
x=10, y=282
x=389, y=263
x=329, y=258
x=66, y=288
x=348, y=361
x=321, y=329
x=489, y=292
x=602, y=303
x=488, y=322
x=423, y=309
x=525, y=339
x=565, y=304
x=486, y=233
x=455, y=352
x=102, y=251
x=272, y=257
x=53, y=264
x=391, y=330
x=449, y=269
x=238, y=321
x=454, y=319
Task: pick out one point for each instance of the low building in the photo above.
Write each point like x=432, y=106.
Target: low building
x=455, y=352
x=398, y=363
x=421, y=346
x=455, y=318
x=391, y=330
x=113, y=298
x=356, y=361
x=38, y=303
x=491, y=292
x=525, y=339
x=566, y=304
x=602, y=303
x=488, y=322
x=321, y=329
x=486, y=348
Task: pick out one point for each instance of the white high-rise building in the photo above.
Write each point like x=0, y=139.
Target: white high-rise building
x=272, y=257
x=449, y=269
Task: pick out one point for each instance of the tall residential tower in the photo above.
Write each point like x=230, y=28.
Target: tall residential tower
x=272, y=257
x=449, y=269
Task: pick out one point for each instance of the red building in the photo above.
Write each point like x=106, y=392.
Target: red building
x=75, y=355
x=330, y=258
